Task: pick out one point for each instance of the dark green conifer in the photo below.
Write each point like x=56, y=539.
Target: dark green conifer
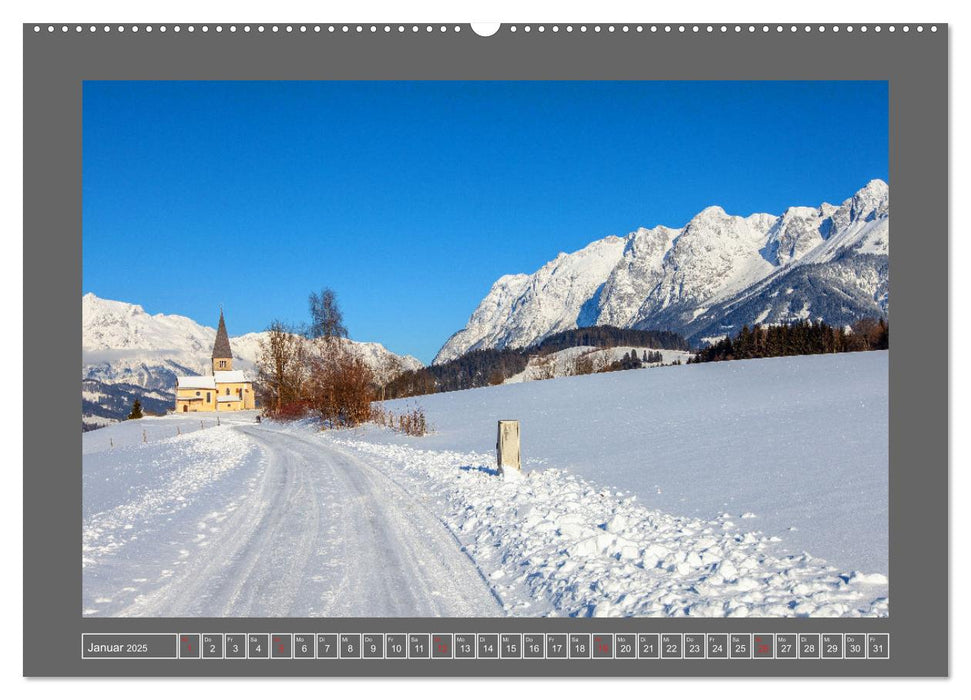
x=136, y=410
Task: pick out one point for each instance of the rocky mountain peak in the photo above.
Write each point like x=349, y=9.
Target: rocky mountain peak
x=681, y=279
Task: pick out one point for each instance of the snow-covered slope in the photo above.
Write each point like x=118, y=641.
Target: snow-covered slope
x=747, y=488
x=128, y=353
x=703, y=279
x=800, y=442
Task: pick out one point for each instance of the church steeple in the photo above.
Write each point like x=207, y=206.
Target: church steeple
x=222, y=354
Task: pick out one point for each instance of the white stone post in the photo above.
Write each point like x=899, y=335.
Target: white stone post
x=507, y=447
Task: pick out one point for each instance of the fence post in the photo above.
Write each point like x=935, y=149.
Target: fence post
x=178, y=430
x=112, y=441
x=507, y=447
x=144, y=436
x=217, y=420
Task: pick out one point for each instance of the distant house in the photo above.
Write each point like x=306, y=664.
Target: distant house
x=225, y=389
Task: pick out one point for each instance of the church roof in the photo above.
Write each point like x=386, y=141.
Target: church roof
x=221, y=347
x=197, y=382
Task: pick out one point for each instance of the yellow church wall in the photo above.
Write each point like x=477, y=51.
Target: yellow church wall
x=233, y=389
x=194, y=406
x=183, y=406
x=196, y=401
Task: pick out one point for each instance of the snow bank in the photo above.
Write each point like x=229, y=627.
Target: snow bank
x=553, y=544
x=146, y=506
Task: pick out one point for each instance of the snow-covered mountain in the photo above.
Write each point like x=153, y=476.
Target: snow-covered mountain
x=128, y=353
x=706, y=279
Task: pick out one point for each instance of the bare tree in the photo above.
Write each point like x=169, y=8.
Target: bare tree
x=583, y=364
x=341, y=388
x=326, y=319
x=388, y=368
x=281, y=367
x=869, y=334
x=545, y=368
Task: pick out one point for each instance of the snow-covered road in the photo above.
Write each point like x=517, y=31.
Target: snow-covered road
x=313, y=532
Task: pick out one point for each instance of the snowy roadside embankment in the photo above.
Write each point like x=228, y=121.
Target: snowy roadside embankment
x=151, y=429
x=551, y=543
x=148, y=508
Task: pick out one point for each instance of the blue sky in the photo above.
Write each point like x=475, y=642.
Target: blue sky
x=410, y=198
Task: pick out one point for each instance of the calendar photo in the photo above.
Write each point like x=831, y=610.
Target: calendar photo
x=485, y=349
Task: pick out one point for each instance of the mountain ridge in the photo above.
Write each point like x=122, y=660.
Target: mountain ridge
x=702, y=279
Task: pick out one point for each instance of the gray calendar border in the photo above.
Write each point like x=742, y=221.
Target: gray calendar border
x=916, y=66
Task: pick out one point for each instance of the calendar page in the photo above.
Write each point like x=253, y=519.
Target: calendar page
x=448, y=349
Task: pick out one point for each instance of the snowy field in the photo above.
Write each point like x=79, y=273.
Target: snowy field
x=130, y=433
x=754, y=488
x=796, y=447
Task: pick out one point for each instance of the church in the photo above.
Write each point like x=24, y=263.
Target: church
x=225, y=389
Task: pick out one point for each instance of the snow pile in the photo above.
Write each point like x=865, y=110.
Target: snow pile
x=552, y=543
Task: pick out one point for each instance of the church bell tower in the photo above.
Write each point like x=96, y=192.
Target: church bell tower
x=222, y=354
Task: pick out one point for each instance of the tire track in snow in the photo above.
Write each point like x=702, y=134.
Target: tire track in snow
x=323, y=534
x=225, y=578
x=398, y=559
